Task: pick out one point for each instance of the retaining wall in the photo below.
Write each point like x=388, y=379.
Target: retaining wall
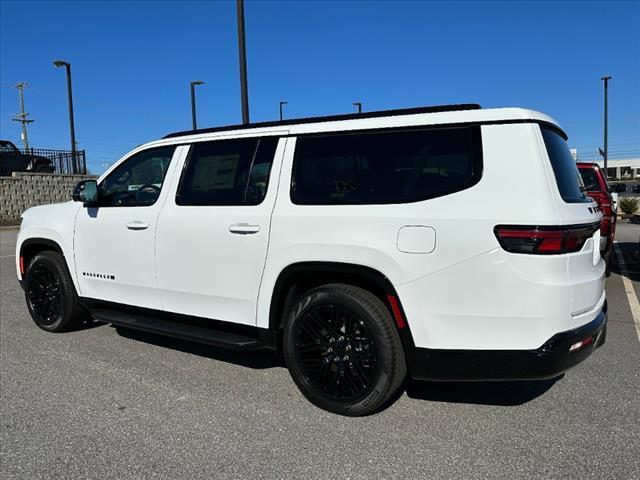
x=23, y=190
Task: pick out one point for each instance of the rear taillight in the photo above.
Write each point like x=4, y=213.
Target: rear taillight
x=605, y=228
x=544, y=240
x=607, y=218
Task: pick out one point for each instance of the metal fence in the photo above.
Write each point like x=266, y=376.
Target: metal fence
x=62, y=160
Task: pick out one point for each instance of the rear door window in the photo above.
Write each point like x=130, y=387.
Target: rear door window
x=564, y=167
x=227, y=172
x=385, y=167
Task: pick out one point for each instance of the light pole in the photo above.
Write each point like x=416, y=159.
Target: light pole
x=282, y=104
x=67, y=65
x=359, y=105
x=606, y=79
x=242, y=52
x=193, y=101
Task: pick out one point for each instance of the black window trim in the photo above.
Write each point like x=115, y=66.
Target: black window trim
x=176, y=198
x=160, y=147
x=332, y=118
x=478, y=166
x=479, y=123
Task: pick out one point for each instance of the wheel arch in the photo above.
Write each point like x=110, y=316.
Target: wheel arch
x=295, y=279
x=30, y=247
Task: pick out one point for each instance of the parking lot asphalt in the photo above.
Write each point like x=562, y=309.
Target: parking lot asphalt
x=109, y=404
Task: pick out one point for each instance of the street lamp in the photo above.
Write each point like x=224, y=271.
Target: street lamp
x=282, y=104
x=67, y=65
x=606, y=123
x=242, y=54
x=193, y=101
x=359, y=105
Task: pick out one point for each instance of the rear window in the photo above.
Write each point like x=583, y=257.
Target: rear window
x=385, y=167
x=590, y=179
x=564, y=167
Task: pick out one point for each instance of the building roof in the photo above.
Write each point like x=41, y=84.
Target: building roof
x=616, y=162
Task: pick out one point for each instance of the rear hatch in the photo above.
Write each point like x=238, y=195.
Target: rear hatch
x=584, y=266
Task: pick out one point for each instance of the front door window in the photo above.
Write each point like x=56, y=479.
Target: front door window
x=138, y=181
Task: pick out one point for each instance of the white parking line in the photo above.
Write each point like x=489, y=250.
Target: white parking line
x=7, y=256
x=628, y=287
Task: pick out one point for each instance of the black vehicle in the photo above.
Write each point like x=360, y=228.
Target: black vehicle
x=13, y=160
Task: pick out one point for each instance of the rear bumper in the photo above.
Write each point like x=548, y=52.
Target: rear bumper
x=548, y=361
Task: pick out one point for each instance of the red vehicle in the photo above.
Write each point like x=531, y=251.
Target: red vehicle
x=596, y=187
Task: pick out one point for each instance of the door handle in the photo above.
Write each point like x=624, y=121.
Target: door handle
x=244, y=228
x=137, y=225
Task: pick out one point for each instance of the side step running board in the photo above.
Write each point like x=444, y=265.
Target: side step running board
x=178, y=329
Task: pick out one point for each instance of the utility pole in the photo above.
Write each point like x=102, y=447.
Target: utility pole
x=193, y=102
x=359, y=105
x=242, y=51
x=606, y=123
x=282, y=104
x=72, y=128
x=22, y=116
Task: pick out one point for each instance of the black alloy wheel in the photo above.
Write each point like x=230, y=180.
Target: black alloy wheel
x=44, y=293
x=336, y=351
x=50, y=294
x=343, y=350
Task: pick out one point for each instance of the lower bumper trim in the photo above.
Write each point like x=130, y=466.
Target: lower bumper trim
x=548, y=361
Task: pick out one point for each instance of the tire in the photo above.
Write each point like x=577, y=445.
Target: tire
x=343, y=351
x=51, y=297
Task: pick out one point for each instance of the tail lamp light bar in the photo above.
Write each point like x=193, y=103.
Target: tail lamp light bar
x=544, y=240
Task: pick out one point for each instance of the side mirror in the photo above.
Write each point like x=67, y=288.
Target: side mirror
x=86, y=191
x=618, y=187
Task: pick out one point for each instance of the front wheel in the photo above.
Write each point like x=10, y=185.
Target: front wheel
x=51, y=297
x=343, y=351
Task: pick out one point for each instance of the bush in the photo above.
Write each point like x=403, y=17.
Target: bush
x=629, y=204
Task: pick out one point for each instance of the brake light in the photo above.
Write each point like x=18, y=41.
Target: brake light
x=544, y=240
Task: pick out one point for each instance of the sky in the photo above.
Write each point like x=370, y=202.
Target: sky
x=132, y=62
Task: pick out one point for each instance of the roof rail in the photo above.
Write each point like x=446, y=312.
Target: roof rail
x=333, y=118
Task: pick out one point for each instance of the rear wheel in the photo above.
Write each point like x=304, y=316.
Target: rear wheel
x=51, y=297
x=343, y=351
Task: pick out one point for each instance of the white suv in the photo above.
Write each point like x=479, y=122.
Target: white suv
x=452, y=243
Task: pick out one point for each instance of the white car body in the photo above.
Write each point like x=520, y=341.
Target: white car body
x=458, y=288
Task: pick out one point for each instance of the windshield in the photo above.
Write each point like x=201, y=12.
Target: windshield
x=7, y=147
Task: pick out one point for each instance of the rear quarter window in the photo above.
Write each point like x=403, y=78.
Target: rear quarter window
x=564, y=167
x=385, y=167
